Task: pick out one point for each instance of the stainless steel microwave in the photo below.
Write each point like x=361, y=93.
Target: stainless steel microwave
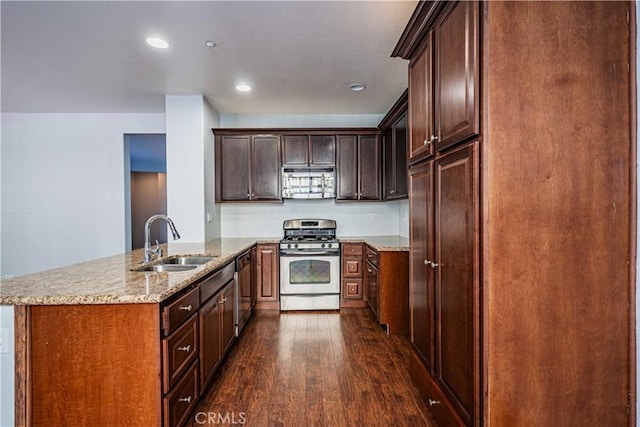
x=308, y=183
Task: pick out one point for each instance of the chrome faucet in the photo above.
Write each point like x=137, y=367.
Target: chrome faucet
x=148, y=252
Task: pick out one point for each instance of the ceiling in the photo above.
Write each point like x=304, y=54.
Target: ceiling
x=299, y=57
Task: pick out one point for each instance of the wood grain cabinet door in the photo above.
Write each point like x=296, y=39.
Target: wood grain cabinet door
x=228, y=306
x=210, y=342
x=265, y=168
x=421, y=103
x=295, y=150
x=421, y=272
x=457, y=90
x=457, y=283
x=369, y=152
x=233, y=163
x=347, y=167
x=267, y=272
x=322, y=150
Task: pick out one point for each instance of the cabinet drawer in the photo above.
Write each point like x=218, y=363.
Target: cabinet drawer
x=351, y=249
x=178, y=351
x=372, y=256
x=178, y=404
x=216, y=281
x=352, y=289
x=180, y=310
x=352, y=267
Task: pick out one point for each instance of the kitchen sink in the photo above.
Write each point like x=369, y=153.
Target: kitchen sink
x=187, y=260
x=167, y=267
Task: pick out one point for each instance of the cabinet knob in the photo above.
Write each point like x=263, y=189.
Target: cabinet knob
x=434, y=264
x=369, y=270
x=433, y=138
x=187, y=348
x=185, y=307
x=427, y=262
x=223, y=300
x=433, y=402
x=392, y=192
x=426, y=142
x=185, y=399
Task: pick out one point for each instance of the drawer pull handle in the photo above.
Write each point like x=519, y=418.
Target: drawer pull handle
x=185, y=399
x=223, y=300
x=185, y=307
x=433, y=402
x=187, y=348
x=369, y=270
x=353, y=250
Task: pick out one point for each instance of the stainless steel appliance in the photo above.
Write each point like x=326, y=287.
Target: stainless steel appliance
x=309, y=265
x=308, y=183
x=245, y=295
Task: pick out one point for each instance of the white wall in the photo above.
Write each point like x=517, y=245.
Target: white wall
x=353, y=219
x=62, y=199
x=189, y=142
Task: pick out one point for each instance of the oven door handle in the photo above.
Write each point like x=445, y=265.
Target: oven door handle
x=306, y=253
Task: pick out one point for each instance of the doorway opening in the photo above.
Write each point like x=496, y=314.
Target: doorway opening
x=145, y=187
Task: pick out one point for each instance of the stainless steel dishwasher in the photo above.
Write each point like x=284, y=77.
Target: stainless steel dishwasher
x=244, y=300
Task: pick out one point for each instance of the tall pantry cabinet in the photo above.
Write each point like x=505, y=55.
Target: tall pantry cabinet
x=522, y=262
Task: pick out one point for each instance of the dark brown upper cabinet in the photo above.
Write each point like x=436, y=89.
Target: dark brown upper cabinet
x=308, y=150
x=444, y=95
x=394, y=151
x=358, y=167
x=248, y=168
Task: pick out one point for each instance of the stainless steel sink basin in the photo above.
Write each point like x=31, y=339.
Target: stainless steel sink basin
x=187, y=260
x=167, y=267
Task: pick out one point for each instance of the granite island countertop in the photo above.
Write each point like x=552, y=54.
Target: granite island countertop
x=110, y=280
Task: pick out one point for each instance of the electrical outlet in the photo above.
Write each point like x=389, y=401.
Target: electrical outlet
x=4, y=344
x=372, y=217
x=209, y=218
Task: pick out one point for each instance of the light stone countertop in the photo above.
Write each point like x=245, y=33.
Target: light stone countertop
x=110, y=280
x=380, y=243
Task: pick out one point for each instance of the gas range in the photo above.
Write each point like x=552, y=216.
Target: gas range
x=302, y=235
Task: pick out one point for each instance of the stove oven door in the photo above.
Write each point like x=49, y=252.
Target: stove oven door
x=303, y=274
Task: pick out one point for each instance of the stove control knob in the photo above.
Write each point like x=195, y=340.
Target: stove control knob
x=295, y=245
x=288, y=245
x=322, y=245
x=328, y=245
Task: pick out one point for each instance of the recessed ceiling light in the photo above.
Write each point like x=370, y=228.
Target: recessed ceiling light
x=243, y=88
x=157, y=42
x=210, y=43
x=357, y=87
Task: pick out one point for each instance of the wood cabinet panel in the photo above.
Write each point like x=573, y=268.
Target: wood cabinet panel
x=457, y=93
x=395, y=160
x=265, y=168
x=352, y=281
x=295, y=150
x=457, y=287
x=210, y=340
x=322, y=150
x=421, y=298
x=369, y=163
x=372, y=284
x=352, y=266
x=267, y=273
x=176, y=312
x=80, y=354
x=347, y=167
x=421, y=120
x=179, y=351
x=233, y=160
x=227, y=302
x=182, y=400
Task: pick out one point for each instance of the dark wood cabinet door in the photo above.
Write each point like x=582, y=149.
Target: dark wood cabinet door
x=421, y=103
x=369, y=152
x=347, y=167
x=388, y=164
x=421, y=273
x=228, y=307
x=265, y=168
x=295, y=150
x=234, y=176
x=210, y=340
x=457, y=94
x=267, y=272
x=322, y=150
x=400, y=159
x=254, y=275
x=457, y=288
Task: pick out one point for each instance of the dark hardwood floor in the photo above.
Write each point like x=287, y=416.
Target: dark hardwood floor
x=315, y=369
